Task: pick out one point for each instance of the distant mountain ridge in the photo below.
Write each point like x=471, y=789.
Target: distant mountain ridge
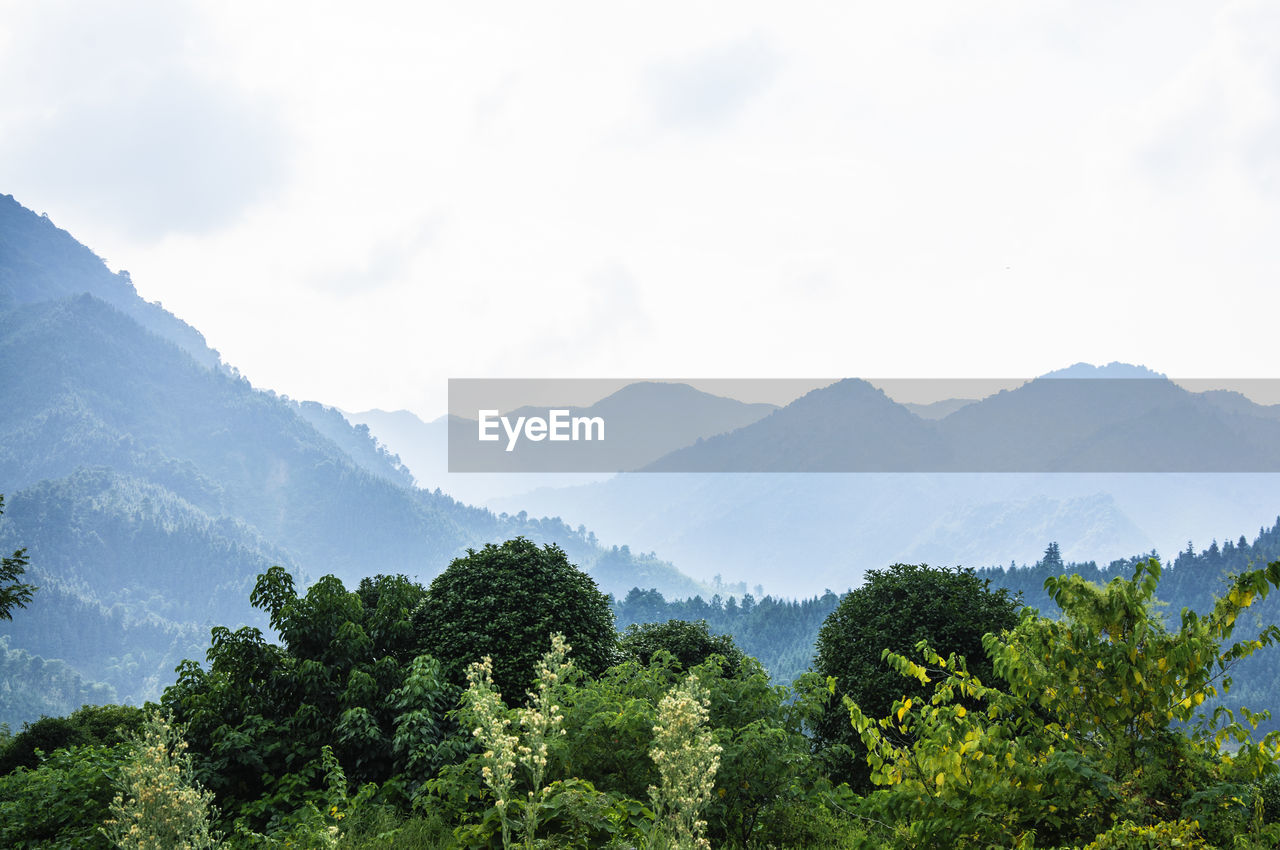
x=1109, y=421
x=41, y=262
x=150, y=483
x=849, y=425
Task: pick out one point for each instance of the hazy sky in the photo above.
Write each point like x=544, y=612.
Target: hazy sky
x=355, y=203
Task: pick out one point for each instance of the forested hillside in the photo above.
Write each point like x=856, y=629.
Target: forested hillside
x=782, y=633
x=778, y=632
x=1191, y=581
x=151, y=483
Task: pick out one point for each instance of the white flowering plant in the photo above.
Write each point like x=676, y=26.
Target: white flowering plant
x=687, y=757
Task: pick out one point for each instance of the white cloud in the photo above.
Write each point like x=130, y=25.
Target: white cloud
x=116, y=119
x=405, y=193
x=709, y=89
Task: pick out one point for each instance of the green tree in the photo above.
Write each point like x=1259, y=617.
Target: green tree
x=13, y=593
x=1095, y=736
x=505, y=602
x=349, y=677
x=91, y=724
x=895, y=609
x=690, y=644
x=1052, y=559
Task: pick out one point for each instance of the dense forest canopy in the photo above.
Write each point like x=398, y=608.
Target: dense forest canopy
x=1085, y=729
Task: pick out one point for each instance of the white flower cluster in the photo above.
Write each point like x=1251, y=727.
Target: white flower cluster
x=542, y=720
x=687, y=758
x=540, y=723
x=490, y=714
x=160, y=806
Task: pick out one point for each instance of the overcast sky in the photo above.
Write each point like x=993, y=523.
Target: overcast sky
x=355, y=203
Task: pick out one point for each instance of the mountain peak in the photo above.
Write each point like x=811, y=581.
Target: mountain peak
x=40, y=261
x=1114, y=369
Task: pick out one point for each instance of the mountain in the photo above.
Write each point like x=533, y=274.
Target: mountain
x=646, y=419
x=151, y=484
x=421, y=446
x=937, y=409
x=1108, y=425
x=41, y=262
x=1239, y=404
x=847, y=426
x=1109, y=371
x=86, y=386
x=798, y=532
x=1106, y=422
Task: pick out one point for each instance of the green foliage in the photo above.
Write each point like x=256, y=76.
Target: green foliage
x=765, y=767
x=106, y=724
x=517, y=747
x=13, y=593
x=778, y=632
x=766, y=785
x=422, y=743
x=505, y=602
x=1166, y=834
x=1190, y=581
x=1085, y=736
x=348, y=676
x=609, y=721
x=689, y=643
x=62, y=801
x=894, y=610
x=159, y=805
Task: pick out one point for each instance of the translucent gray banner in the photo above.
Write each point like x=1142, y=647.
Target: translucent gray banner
x=1130, y=422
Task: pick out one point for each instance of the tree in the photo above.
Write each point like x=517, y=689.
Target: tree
x=347, y=682
x=690, y=643
x=13, y=594
x=505, y=602
x=90, y=725
x=1052, y=557
x=1094, y=735
x=895, y=609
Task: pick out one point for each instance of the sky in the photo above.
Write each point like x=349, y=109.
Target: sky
x=355, y=203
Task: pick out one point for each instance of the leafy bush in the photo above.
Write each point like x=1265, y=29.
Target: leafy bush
x=348, y=676
x=63, y=801
x=91, y=724
x=689, y=643
x=1082, y=738
x=1165, y=835
x=895, y=609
